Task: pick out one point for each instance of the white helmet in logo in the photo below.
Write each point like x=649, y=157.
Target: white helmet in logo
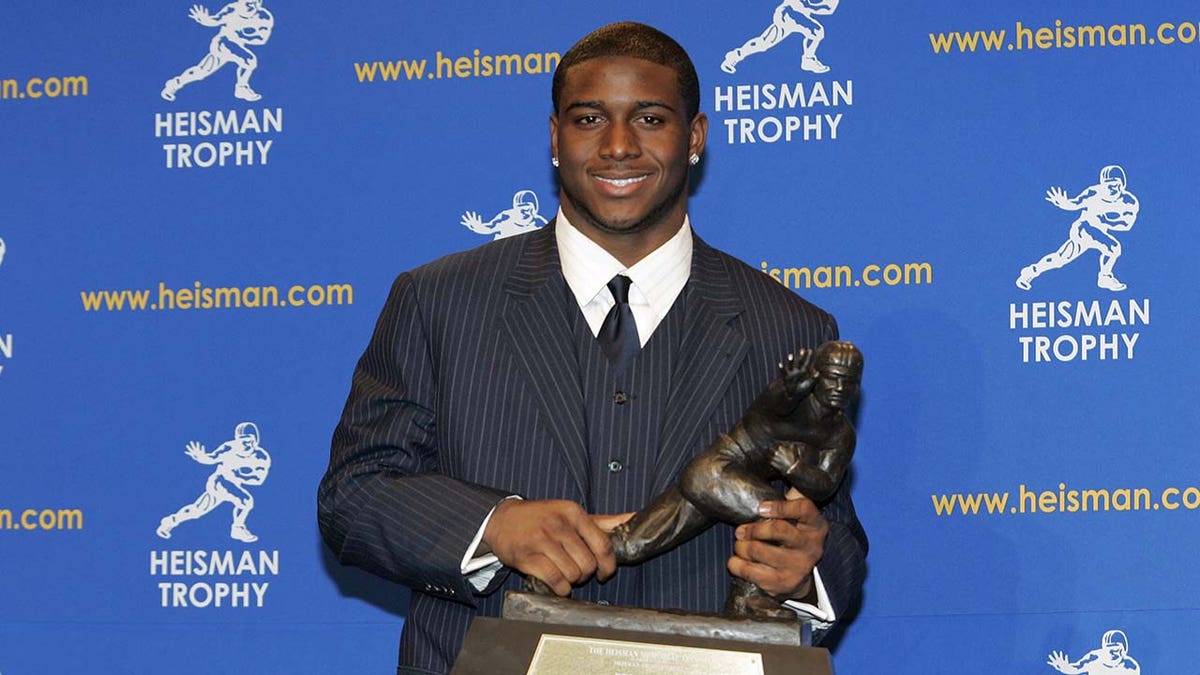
x=526, y=198
x=246, y=430
x=1115, y=638
x=1113, y=172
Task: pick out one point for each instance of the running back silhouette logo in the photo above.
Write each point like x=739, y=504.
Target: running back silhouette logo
x=238, y=464
x=1111, y=658
x=240, y=25
x=1103, y=208
x=792, y=17
x=522, y=217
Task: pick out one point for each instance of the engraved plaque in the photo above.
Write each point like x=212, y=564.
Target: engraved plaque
x=591, y=656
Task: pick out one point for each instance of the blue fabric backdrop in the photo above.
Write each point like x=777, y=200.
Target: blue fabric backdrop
x=170, y=269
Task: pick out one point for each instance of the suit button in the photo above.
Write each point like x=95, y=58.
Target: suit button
x=615, y=465
x=620, y=398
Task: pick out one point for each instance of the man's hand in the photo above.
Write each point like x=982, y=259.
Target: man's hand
x=608, y=523
x=555, y=541
x=778, y=554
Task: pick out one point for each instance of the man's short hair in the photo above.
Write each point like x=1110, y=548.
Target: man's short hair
x=629, y=38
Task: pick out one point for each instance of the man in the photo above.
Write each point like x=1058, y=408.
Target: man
x=242, y=24
x=1103, y=208
x=521, y=218
x=485, y=380
x=240, y=462
x=791, y=16
x=1112, y=657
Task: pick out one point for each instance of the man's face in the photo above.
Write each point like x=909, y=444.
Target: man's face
x=623, y=139
x=836, y=385
x=1113, y=186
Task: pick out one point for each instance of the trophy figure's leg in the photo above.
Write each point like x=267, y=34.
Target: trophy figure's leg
x=665, y=523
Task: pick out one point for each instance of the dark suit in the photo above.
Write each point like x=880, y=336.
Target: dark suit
x=472, y=389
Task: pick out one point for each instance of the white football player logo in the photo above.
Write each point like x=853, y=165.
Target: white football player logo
x=1104, y=208
x=791, y=17
x=522, y=217
x=1110, y=659
x=240, y=463
x=240, y=25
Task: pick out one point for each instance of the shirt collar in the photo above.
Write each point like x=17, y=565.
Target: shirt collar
x=657, y=279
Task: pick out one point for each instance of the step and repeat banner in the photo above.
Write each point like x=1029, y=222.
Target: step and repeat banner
x=203, y=206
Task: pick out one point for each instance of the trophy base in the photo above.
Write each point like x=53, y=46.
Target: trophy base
x=541, y=634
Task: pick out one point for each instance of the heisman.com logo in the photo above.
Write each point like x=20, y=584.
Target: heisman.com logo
x=785, y=111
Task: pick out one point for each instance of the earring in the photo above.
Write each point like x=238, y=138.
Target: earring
x=554, y=161
x=694, y=159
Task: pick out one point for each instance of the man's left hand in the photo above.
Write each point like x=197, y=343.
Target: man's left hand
x=778, y=554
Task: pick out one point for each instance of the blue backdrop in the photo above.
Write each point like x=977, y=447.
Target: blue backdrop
x=202, y=211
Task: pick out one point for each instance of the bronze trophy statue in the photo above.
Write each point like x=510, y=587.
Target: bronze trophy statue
x=795, y=431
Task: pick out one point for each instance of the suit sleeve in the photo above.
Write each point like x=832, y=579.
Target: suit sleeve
x=384, y=504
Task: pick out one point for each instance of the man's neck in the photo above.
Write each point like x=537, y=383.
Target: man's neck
x=628, y=247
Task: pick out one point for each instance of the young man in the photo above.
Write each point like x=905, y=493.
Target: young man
x=488, y=431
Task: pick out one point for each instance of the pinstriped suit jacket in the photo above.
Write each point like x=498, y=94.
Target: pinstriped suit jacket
x=469, y=391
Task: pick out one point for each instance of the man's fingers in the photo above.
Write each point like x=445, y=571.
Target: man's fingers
x=582, y=560
x=610, y=522
x=600, y=546
x=545, y=569
x=799, y=508
x=771, y=580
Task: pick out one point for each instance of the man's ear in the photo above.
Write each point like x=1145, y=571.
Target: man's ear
x=553, y=135
x=698, y=137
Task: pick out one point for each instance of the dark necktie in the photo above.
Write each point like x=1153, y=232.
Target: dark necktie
x=618, y=334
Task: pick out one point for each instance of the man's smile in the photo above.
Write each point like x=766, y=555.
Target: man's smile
x=622, y=182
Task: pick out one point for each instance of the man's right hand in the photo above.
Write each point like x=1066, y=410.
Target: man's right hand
x=555, y=541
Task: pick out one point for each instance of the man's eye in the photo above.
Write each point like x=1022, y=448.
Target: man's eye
x=650, y=120
x=589, y=120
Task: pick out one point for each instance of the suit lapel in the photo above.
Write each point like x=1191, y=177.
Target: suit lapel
x=536, y=323
x=711, y=352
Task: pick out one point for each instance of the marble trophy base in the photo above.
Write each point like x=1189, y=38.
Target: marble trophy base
x=546, y=634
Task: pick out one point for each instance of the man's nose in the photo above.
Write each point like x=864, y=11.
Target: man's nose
x=620, y=142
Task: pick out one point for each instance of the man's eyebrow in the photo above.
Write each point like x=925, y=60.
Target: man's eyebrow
x=585, y=104
x=600, y=105
x=654, y=104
